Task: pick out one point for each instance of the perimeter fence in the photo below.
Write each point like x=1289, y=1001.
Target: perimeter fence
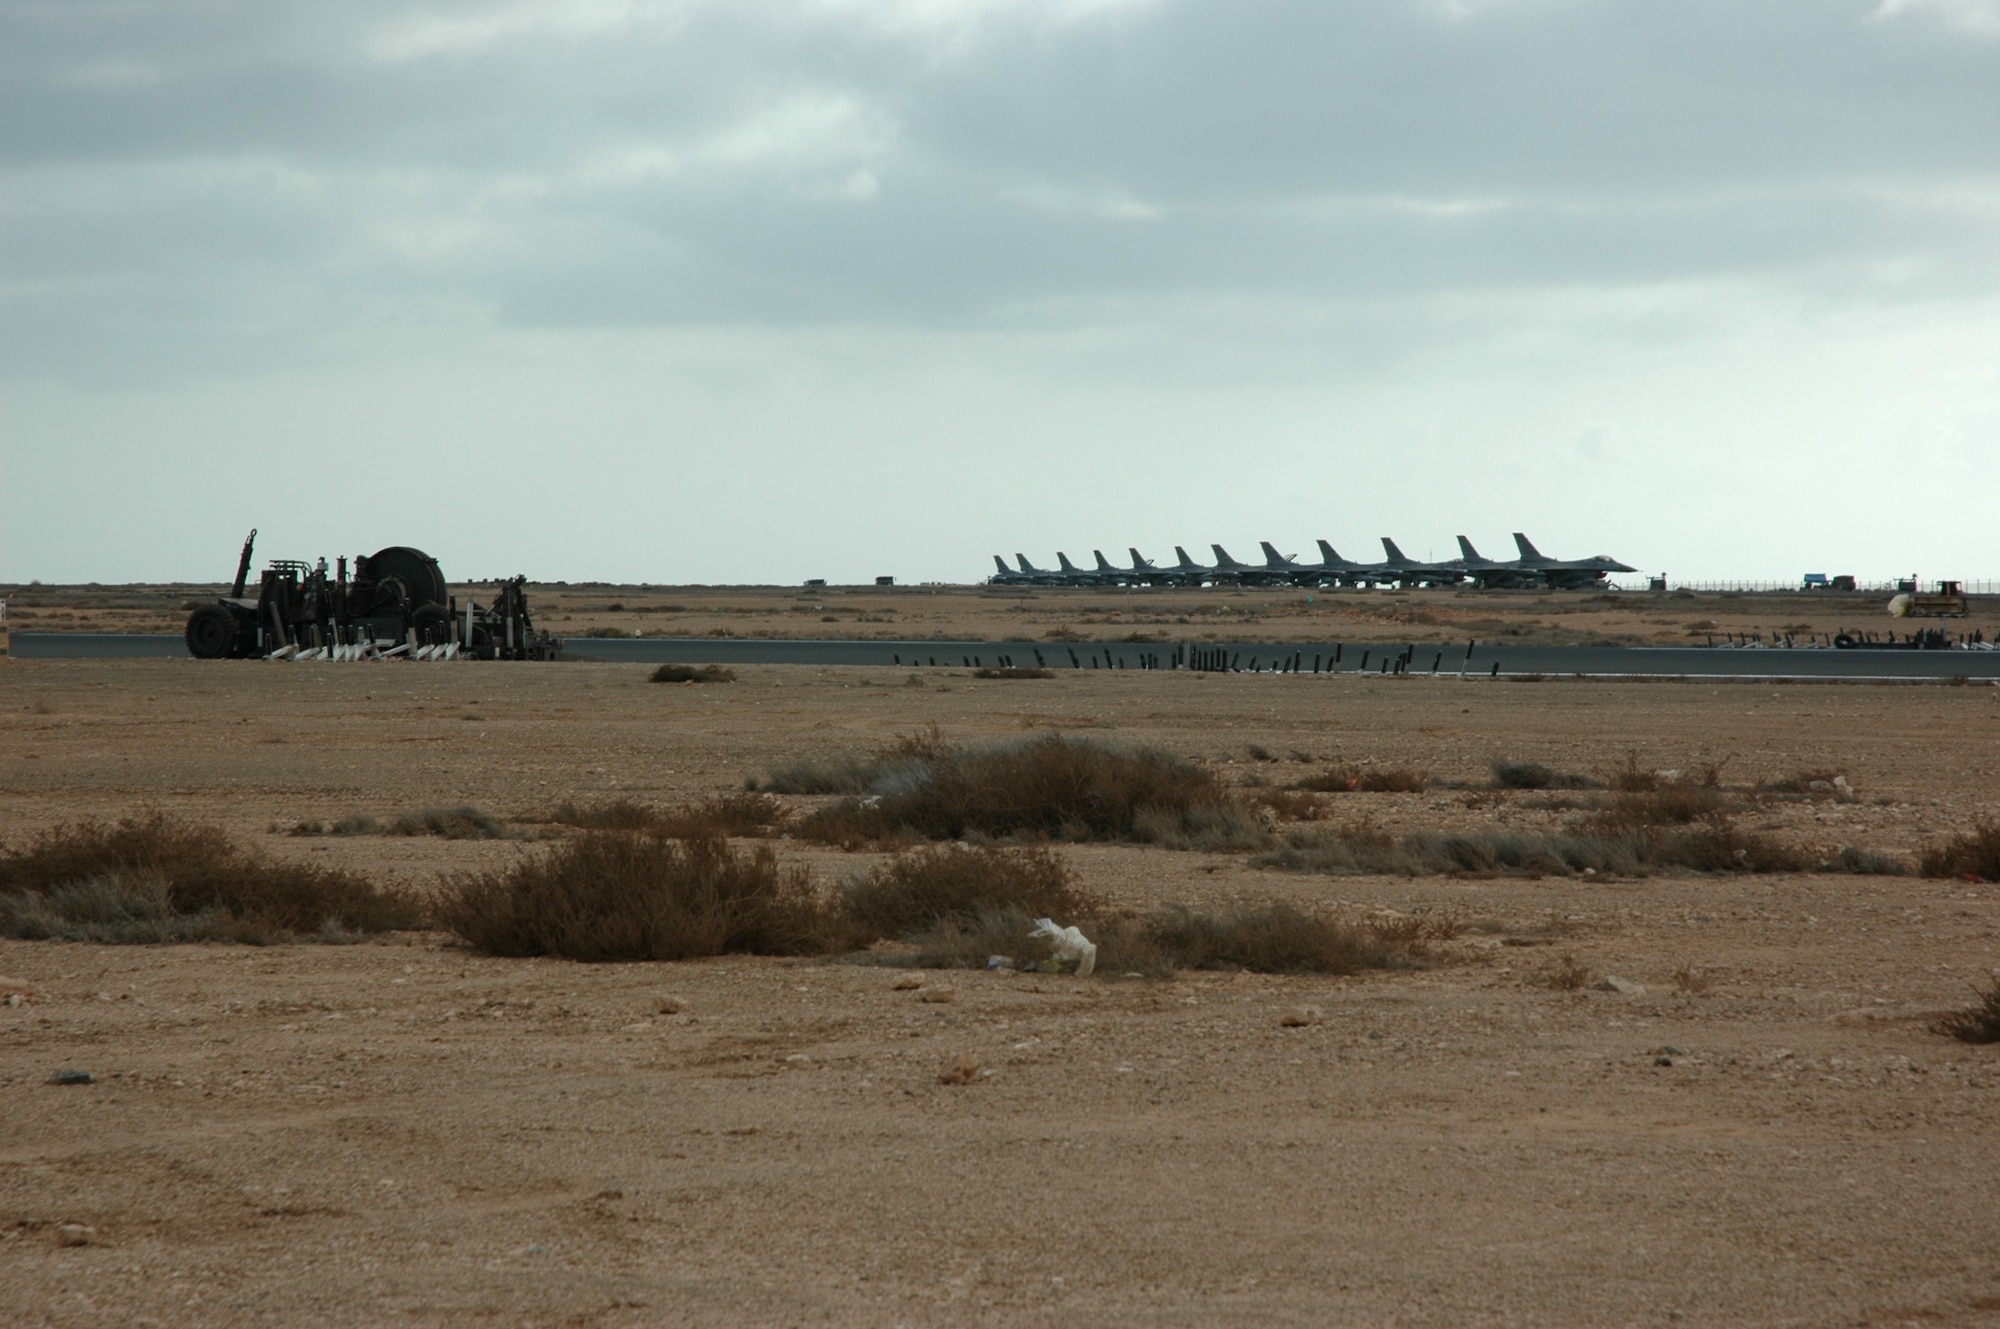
x=1870, y=588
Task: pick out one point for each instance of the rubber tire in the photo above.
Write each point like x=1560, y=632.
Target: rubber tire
x=433, y=624
x=212, y=633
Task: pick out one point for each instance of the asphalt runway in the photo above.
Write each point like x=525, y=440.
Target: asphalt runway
x=1802, y=663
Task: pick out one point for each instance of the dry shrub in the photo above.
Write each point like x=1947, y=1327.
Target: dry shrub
x=1216, y=829
x=618, y=814
x=1977, y=1023
x=847, y=774
x=358, y=823
x=624, y=895
x=459, y=823
x=962, y=906
x=1050, y=786
x=1629, y=777
x=1693, y=982
x=920, y=889
x=681, y=673
x=726, y=814
x=1671, y=803
x=1366, y=779
x=1269, y=938
x=1394, y=780
x=1810, y=784
x=742, y=815
x=1568, y=974
x=1289, y=804
x=1534, y=775
x=1857, y=862
x=1523, y=775
x=1347, y=850
x=1275, y=938
x=969, y=940
x=156, y=878
x=1721, y=847
x=1012, y=672
x=1976, y=854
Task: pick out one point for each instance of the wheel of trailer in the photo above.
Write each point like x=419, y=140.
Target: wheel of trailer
x=211, y=633
x=432, y=622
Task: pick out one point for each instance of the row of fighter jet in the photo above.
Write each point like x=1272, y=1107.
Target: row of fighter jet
x=1531, y=569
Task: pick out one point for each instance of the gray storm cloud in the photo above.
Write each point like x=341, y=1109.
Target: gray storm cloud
x=1451, y=265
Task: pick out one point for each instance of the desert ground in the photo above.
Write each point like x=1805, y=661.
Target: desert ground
x=1762, y=1129
x=1134, y=614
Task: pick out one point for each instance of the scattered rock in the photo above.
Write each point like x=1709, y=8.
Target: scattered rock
x=16, y=990
x=72, y=1077
x=75, y=1234
x=1300, y=1016
x=668, y=1005
x=938, y=995
x=1622, y=986
x=963, y=1068
x=907, y=982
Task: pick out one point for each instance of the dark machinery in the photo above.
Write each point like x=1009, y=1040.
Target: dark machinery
x=395, y=603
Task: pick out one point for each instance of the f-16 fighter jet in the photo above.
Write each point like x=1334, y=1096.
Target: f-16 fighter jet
x=1487, y=574
x=1415, y=572
x=1071, y=575
x=1006, y=576
x=1333, y=570
x=1569, y=574
x=1037, y=576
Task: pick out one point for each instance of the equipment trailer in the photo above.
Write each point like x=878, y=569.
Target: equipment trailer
x=396, y=602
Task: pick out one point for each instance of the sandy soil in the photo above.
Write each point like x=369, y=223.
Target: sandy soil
x=963, y=613
x=402, y=1131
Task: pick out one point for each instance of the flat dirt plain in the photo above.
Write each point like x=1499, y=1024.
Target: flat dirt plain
x=1135, y=614
x=403, y=1132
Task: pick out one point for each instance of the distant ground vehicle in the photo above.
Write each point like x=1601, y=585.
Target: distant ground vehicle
x=396, y=602
x=1947, y=601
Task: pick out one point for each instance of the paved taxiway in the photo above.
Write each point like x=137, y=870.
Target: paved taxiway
x=1593, y=661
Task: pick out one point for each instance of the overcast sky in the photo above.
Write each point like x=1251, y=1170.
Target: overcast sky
x=737, y=290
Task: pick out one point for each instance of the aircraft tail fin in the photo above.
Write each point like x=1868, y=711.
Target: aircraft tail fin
x=1272, y=557
x=1001, y=564
x=1103, y=563
x=1222, y=558
x=1138, y=562
x=1186, y=562
x=1526, y=546
x=1026, y=566
x=1326, y=554
x=1395, y=554
x=1062, y=562
x=1465, y=548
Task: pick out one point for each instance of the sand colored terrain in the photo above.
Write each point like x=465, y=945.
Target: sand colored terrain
x=400, y=1131
x=972, y=613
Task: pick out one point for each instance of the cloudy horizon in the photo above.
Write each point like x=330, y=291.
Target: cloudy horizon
x=684, y=291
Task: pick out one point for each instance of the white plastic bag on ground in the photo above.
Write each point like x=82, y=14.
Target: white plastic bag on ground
x=1068, y=944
